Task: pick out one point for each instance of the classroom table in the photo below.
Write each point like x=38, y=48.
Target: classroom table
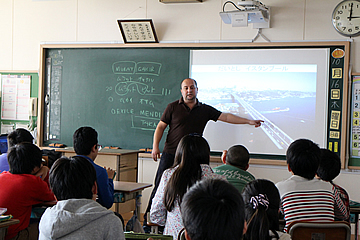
x=4, y=226
x=38, y=210
x=124, y=191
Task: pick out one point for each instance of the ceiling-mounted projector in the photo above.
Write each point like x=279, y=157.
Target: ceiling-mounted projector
x=247, y=12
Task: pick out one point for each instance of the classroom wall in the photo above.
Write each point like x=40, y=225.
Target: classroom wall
x=25, y=24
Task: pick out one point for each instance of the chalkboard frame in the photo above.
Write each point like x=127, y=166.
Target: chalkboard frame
x=341, y=141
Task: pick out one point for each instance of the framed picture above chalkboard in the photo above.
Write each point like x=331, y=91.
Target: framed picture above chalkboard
x=138, y=31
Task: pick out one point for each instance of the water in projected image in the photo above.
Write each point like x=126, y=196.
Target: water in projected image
x=284, y=96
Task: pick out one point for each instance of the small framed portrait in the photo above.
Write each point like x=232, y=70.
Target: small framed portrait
x=138, y=31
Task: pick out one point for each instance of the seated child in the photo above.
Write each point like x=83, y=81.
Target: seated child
x=262, y=201
x=77, y=215
x=21, y=189
x=304, y=197
x=212, y=209
x=191, y=164
x=236, y=162
x=85, y=141
x=17, y=136
x=328, y=170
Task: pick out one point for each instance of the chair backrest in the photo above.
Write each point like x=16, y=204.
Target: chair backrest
x=181, y=235
x=338, y=230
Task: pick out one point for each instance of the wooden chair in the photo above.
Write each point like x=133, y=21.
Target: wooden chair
x=181, y=235
x=154, y=226
x=302, y=230
x=45, y=160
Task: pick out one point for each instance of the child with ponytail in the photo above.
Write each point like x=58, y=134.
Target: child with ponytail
x=262, y=202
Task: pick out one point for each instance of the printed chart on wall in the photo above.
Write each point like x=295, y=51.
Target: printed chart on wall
x=355, y=131
x=15, y=97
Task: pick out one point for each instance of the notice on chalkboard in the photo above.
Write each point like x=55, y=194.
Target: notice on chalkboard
x=15, y=97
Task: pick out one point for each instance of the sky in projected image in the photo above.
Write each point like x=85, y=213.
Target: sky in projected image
x=284, y=96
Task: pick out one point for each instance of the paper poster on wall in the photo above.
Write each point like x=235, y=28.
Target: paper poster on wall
x=355, y=126
x=15, y=97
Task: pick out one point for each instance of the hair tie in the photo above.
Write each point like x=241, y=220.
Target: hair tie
x=261, y=199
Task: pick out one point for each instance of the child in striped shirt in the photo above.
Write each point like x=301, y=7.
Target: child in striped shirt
x=328, y=170
x=304, y=197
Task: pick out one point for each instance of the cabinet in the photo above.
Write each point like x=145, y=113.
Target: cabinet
x=124, y=162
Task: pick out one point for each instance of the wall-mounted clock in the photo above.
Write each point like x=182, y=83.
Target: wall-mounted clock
x=346, y=18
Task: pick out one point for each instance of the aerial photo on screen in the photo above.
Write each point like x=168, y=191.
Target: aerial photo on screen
x=284, y=96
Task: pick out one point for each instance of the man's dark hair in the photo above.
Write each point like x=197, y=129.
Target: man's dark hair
x=72, y=178
x=238, y=156
x=23, y=158
x=303, y=158
x=84, y=139
x=190, y=79
x=213, y=209
x=330, y=165
x=19, y=135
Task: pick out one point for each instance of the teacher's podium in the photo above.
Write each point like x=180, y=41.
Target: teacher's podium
x=124, y=162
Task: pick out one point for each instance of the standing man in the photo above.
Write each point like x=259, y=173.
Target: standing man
x=86, y=145
x=185, y=116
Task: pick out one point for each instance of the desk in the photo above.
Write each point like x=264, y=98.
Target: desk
x=38, y=210
x=356, y=210
x=4, y=226
x=125, y=191
x=124, y=162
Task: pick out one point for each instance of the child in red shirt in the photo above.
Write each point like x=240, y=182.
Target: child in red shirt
x=20, y=188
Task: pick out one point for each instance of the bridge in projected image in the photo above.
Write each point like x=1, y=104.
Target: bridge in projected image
x=277, y=136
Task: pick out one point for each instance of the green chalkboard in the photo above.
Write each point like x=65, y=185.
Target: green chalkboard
x=122, y=93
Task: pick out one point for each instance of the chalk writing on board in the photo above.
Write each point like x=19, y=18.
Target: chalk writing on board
x=134, y=82
x=57, y=58
x=122, y=111
x=118, y=111
x=130, y=67
x=55, y=101
x=146, y=102
x=123, y=88
x=135, y=78
x=145, y=123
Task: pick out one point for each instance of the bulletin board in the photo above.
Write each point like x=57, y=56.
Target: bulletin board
x=34, y=91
